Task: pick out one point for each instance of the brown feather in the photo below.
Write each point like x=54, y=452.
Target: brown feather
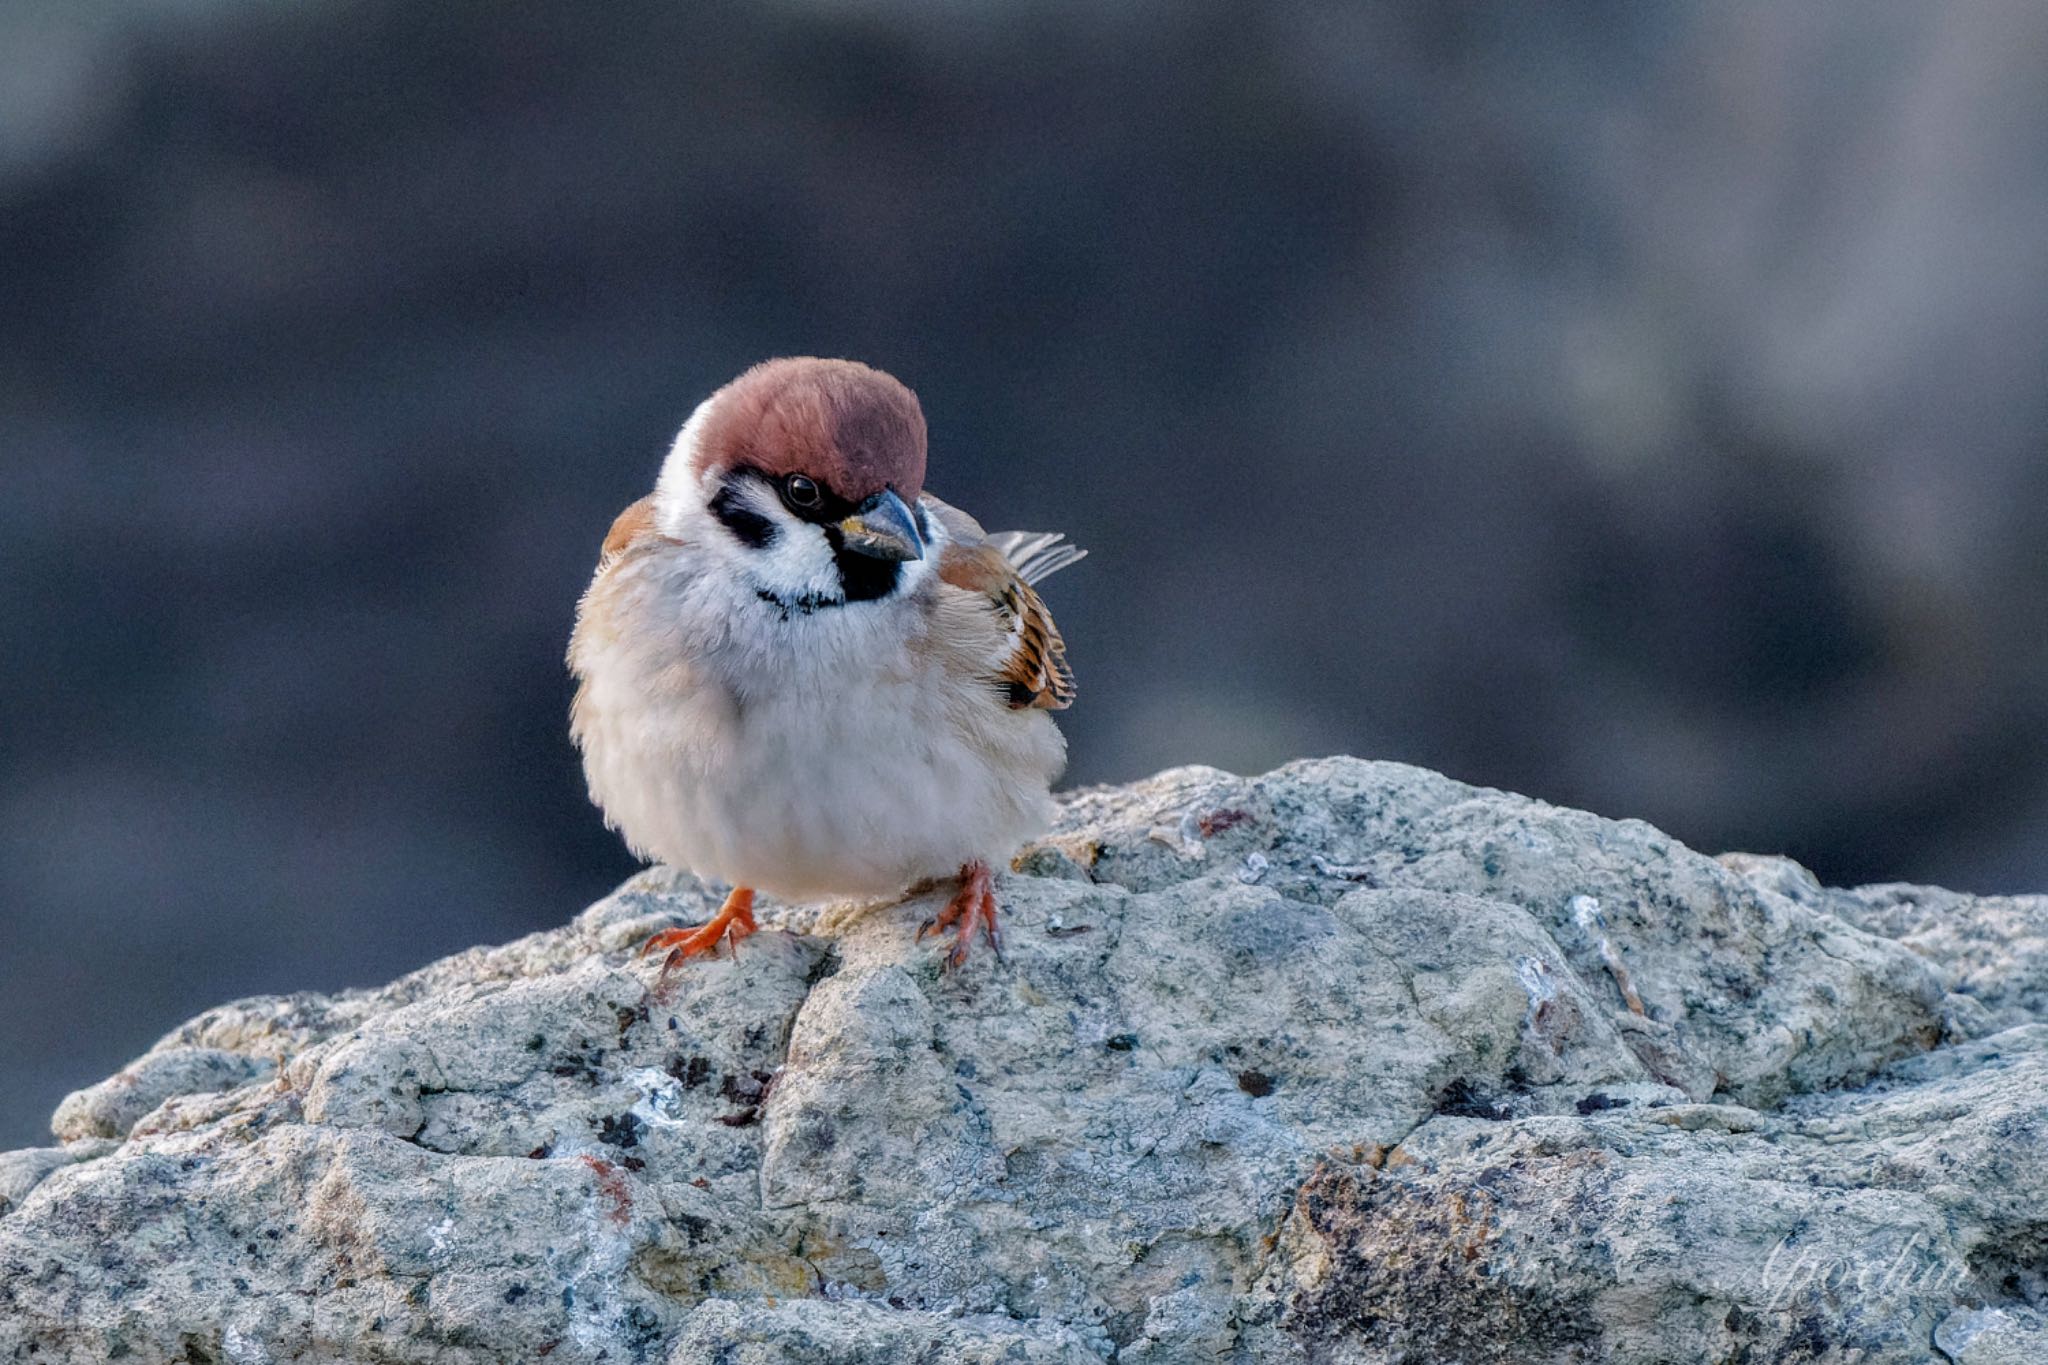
x=631, y=524
x=632, y=532
x=633, y=529
x=1033, y=671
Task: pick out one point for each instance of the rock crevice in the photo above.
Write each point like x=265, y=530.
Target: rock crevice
x=1348, y=1062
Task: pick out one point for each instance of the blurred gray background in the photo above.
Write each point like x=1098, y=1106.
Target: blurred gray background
x=1637, y=405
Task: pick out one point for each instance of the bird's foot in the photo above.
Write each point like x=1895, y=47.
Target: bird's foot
x=735, y=919
x=974, y=904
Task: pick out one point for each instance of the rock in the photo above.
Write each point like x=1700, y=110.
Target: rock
x=851, y=1332
x=1990, y=950
x=22, y=1171
x=1346, y=1063
x=1993, y=1336
x=114, y=1106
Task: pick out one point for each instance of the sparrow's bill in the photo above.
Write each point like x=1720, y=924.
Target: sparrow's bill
x=802, y=674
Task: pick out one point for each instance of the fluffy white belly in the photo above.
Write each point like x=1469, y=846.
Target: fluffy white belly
x=855, y=789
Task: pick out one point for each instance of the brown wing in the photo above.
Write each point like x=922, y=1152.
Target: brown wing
x=632, y=534
x=1031, y=667
x=629, y=526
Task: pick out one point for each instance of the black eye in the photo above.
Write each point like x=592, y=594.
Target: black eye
x=799, y=491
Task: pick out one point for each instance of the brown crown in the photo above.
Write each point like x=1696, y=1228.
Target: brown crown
x=852, y=428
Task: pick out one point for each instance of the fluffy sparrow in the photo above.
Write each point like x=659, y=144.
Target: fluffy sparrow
x=800, y=673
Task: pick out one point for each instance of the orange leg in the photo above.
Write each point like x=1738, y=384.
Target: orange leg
x=974, y=904
x=735, y=917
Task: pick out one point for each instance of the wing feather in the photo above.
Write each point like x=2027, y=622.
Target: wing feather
x=1037, y=555
x=630, y=529
x=1030, y=668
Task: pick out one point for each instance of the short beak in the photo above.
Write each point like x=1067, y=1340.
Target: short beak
x=883, y=528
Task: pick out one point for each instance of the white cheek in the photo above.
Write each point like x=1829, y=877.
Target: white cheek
x=796, y=563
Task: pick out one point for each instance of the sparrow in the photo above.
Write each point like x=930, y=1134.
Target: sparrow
x=800, y=674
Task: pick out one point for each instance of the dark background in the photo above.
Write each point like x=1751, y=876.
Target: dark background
x=1637, y=405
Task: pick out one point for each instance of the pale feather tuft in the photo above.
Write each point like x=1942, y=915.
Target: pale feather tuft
x=1036, y=555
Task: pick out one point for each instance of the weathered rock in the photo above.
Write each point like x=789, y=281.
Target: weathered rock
x=1346, y=1063
x=851, y=1332
x=1990, y=950
x=22, y=1171
x=114, y=1106
x=1993, y=1336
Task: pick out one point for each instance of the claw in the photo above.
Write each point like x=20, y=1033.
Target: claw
x=974, y=904
x=734, y=920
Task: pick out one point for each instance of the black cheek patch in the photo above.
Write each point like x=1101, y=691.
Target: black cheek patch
x=749, y=528
x=863, y=578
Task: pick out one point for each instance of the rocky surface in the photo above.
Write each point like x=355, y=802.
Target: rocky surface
x=1348, y=1063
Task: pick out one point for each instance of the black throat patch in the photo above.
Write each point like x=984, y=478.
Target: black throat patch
x=863, y=577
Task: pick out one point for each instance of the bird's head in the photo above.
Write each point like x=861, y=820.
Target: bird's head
x=804, y=474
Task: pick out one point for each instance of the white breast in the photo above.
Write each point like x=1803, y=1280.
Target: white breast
x=841, y=754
